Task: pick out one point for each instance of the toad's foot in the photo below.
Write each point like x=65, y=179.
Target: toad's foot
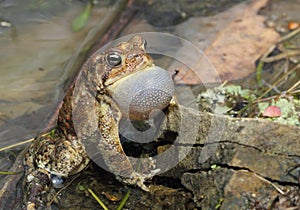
x=143, y=169
x=138, y=179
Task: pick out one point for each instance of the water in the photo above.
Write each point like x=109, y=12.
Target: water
x=37, y=54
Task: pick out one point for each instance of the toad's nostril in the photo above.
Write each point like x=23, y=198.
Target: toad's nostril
x=145, y=44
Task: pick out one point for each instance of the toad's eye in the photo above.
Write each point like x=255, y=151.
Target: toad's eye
x=113, y=59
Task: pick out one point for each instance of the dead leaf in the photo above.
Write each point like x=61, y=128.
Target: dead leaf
x=111, y=197
x=237, y=47
x=233, y=40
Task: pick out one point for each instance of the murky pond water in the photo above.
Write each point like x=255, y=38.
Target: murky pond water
x=37, y=54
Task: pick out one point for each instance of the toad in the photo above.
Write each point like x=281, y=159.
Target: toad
x=121, y=81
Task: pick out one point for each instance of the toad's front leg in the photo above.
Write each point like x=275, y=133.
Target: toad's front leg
x=111, y=149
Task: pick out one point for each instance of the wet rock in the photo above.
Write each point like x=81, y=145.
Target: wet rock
x=207, y=186
x=234, y=163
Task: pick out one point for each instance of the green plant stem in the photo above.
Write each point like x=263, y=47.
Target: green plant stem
x=10, y=172
x=258, y=72
x=96, y=198
x=124, y=200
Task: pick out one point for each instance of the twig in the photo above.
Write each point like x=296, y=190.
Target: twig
x=294, y=92
x=17, y=144
x=278, y=81
x=67, y=185
x=293, y=87
x=265, y=180
x=264, y=58
x=21, y=143
x=280, y=56
x=289, y=35
x=265, y=99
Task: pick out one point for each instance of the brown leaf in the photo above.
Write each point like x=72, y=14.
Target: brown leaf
x=233, y=41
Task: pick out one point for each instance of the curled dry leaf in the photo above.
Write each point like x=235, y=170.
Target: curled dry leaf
x=111, y=197
x=272, y=111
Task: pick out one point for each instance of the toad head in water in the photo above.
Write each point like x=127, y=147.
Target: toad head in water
x=119, y=82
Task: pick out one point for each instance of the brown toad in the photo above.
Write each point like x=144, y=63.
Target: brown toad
x=120, y=82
